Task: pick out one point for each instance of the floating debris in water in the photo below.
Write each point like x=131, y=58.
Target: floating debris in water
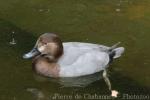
x=118, y=10
x=40, y=10
x=44, y=10
x=114, y=93
x=13, y=41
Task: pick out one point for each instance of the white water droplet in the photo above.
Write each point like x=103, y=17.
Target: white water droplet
x=13, y=42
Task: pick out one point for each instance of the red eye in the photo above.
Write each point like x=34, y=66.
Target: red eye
x=44, y=43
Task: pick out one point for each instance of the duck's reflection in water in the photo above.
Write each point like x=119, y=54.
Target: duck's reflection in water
x=82, y=81
x=86, y=84
x=77, y=82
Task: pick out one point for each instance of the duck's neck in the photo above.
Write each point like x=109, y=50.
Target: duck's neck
x=58, y=51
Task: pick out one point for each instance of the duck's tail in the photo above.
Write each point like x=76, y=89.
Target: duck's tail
x=115, y=52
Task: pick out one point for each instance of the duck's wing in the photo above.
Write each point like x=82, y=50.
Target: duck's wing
x=84, y=64
x=73, y=50
x=82, y=59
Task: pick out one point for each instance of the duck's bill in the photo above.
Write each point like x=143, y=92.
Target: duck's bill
x=34, y=52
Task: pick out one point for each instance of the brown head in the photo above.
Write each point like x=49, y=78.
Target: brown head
x=49, y=45
x=45, y=54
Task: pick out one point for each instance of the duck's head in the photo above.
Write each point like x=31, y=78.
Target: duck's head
x=47, y=44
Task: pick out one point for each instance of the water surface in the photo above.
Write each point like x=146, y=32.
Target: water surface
x=96, y=21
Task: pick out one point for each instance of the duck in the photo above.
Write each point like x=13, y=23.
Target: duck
x=54, y=58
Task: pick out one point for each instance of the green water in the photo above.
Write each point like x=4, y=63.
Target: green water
x=96, y=21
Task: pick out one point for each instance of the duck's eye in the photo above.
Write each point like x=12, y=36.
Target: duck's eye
x=45, y=43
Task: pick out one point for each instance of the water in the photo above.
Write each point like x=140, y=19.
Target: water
x=96, y=21
x=13, y=41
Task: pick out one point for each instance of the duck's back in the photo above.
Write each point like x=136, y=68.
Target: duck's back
x=82, y=59
x=82, y=45
x=72, y=51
